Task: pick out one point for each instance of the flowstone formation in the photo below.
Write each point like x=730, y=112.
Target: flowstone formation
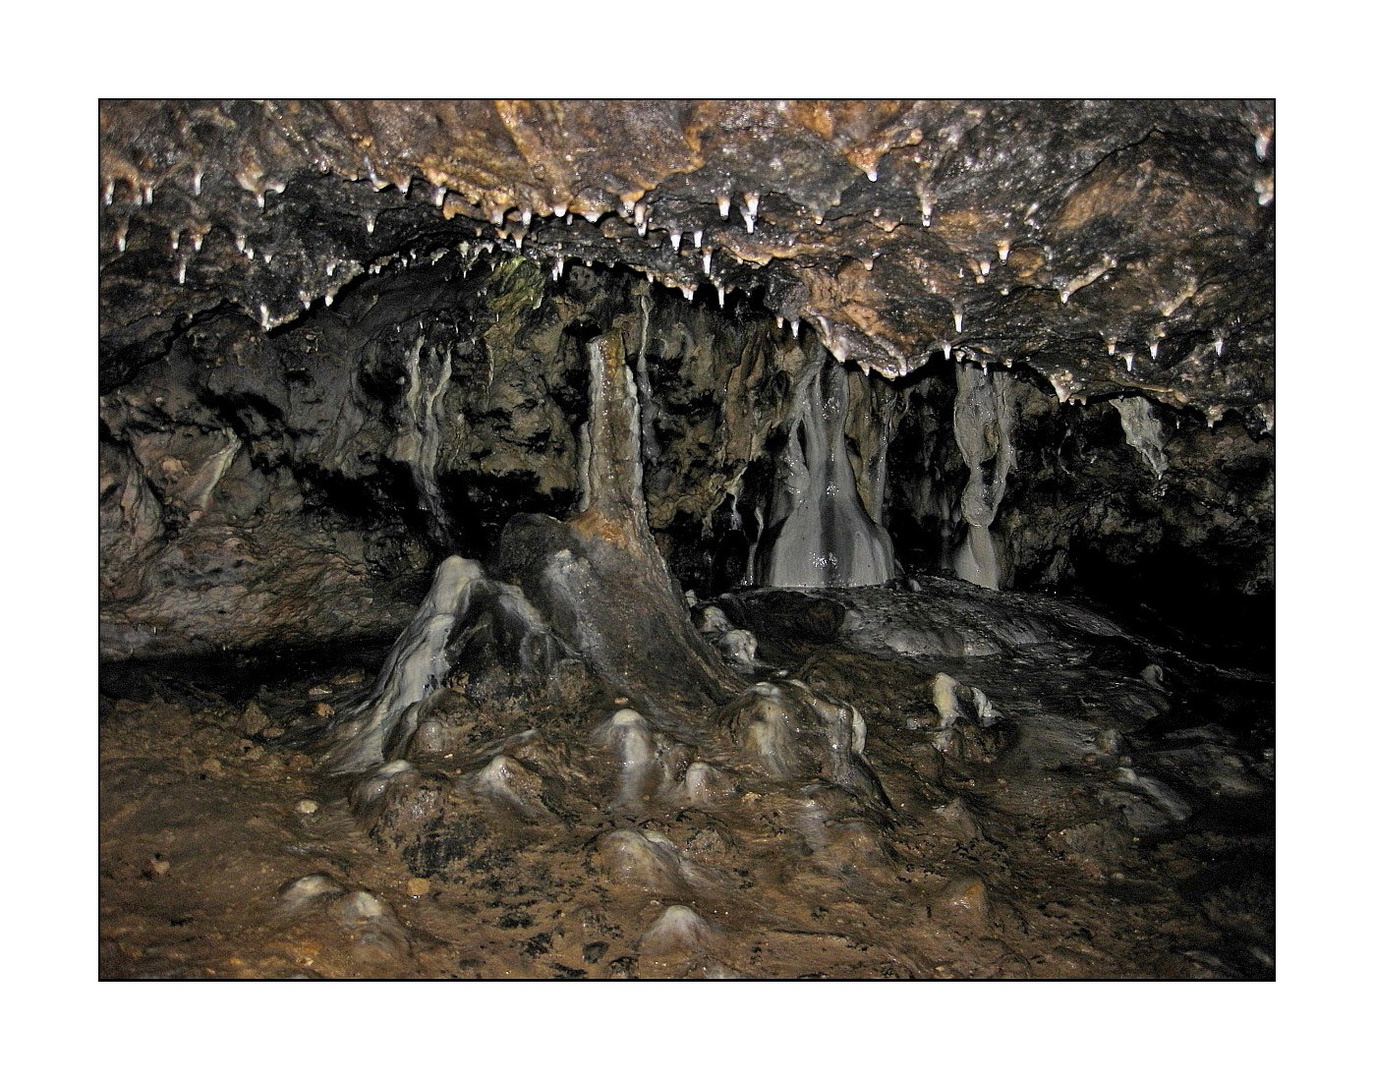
x=674, y=539
x=819, y=532
x=983, y=429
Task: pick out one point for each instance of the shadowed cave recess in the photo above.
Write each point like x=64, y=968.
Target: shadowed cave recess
x=729, y=539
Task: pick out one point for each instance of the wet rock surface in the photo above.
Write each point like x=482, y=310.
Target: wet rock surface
x=287, y=489
x=1081, y=824
x=317, y=380
x=520, y=562
x=1067, y=236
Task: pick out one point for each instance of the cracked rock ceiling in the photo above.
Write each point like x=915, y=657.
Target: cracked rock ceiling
x=1111, y=246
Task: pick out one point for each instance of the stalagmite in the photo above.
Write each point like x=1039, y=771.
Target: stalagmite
x=645, y=860
x=789, y=732
x=414, y=669
x=705, y=786
x=679, y=931
x=484, y=628
x=600, y=580
x=512, y=787
x=628, y=736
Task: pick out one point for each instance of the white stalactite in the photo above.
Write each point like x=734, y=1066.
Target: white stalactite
x=1143, y=431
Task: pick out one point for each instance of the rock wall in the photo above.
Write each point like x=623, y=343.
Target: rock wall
x=1084, y=509
x=1112, y=246
x=265, y=489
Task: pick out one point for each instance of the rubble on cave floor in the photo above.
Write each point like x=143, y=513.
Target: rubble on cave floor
x=944, y=782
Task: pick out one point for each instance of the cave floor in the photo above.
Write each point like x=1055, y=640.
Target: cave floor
x=1109, y=815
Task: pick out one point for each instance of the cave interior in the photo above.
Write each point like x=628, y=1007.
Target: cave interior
x=679, y=539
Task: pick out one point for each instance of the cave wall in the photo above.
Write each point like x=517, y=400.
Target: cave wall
x=266, y=489
x=276, y=488
x=1190, y=548
x=342, y=340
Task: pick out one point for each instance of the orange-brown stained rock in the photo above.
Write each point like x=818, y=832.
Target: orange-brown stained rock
x=1160, y=189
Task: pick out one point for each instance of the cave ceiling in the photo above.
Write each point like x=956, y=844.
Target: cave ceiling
x=1113, y=247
